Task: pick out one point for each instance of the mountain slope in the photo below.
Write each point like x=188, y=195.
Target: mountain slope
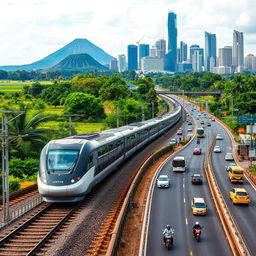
x=77, y=62
x=77, y=46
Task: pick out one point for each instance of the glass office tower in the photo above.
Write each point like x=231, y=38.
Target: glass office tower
x=171, y=56
x=210, y=51
x=132, y=57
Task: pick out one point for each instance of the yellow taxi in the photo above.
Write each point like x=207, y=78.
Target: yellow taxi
x=239, y=196
x=236, y=174
x=198, y=206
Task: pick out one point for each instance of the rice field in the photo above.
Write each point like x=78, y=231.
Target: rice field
x=9, y=86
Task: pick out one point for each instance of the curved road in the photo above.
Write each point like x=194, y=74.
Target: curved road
x=173, y=206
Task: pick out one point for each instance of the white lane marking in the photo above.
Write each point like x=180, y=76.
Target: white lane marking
x=184, y=200
x=186, y=221
x=183, y=185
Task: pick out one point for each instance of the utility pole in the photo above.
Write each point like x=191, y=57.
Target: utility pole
x=117, y=117
x=5, y=162
x=70, y=121
x=152, y=103
x=142, y=113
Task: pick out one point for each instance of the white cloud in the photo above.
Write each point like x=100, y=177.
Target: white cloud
x=32, y=29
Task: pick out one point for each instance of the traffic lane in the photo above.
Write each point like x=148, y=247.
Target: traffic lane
x=183, y=224
x=245, y=216
x=167, y=203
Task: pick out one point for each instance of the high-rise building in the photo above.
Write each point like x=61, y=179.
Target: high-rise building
x=183, y=51
x=225, y=56
x=171, y=56
x=161, y=48
x=250, y=63
x=143, y=52
x=152, y=64
x=113, y=65
x=194, y=48
x=178, y=56
x=132, y=57
x=197, y=60
x=121, y=63
x=153, y=51
x=238, y=50
x=210, y=51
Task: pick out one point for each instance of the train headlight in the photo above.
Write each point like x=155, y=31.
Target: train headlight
x=72, y=181
x=43, y=179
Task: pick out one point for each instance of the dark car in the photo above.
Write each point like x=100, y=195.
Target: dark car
x=197, y=151
x=196, y=179
x=208, y=124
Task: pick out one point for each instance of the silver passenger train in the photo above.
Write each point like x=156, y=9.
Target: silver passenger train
x=70, y=167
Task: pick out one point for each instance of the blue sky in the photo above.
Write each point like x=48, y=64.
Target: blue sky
x=32, y=29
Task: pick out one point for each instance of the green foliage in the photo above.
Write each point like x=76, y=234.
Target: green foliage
x=14, y=183
x=86, y=104
x=20, y=168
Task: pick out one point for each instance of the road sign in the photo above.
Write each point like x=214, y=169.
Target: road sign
x=246, y=119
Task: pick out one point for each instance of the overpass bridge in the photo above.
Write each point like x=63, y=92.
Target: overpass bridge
x=191, y=93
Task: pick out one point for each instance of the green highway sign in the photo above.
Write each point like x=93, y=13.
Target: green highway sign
x=246, y=119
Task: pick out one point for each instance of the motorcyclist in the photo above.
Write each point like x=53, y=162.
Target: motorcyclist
x=198, y=141
x=168, y=231
x=197, y=226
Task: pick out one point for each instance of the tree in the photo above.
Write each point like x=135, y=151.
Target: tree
x=36, y=89
x=87, y=85
x=31, y=138
x=82, y=103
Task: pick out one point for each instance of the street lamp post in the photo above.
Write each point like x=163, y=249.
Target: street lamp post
x=5, y=162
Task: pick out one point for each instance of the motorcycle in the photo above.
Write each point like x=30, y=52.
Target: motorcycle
x=197, y=234
x=169, y=240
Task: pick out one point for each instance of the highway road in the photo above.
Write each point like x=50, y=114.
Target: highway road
x=245, y=216
x=173, y=206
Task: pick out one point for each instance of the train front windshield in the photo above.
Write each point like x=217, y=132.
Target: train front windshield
x=61, y=160
x=178, y=163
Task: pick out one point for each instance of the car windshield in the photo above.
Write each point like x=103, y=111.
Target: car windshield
x=199, y=205
x=241, y=193
x=238, y=172
x=163, y=179
x=178, y=163
x=197, y=149
x=200, y=131
x=62, y=160
x=173, y=140
x=197, y=177
x=229, y=155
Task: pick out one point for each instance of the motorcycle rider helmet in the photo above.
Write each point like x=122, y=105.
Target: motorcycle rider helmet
x=197, y=223
x=168, y=227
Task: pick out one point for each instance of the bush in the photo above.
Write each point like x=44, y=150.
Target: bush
x=19, y=168
x=14, y=183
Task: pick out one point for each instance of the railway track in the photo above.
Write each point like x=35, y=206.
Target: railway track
x=31, y=236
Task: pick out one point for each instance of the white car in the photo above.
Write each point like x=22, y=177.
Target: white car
x=173, y=141
x=219, y=137
x=229, y=157
x=189, y=129
x=163, y=181
x=217, y=149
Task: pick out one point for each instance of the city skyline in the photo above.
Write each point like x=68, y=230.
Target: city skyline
x=32, y=29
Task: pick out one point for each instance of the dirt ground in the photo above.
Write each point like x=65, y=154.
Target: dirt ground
x=130, y=241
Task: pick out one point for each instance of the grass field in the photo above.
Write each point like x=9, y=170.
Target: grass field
x=9, y=86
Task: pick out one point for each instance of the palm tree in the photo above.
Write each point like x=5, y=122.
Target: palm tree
x=30, y=139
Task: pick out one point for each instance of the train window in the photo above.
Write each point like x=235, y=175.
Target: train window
x=102, y=151
x=90, y=162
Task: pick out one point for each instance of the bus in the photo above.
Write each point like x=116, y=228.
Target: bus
x=178, y=164
x=200, y=133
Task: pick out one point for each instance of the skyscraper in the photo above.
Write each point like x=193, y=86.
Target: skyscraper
x=121, y=63
x=171, y=56
x=132, y=57
x=196, y=48
x=250, y=63
x=183, y=51
x=113, y=65
x=210, y=51
x=225, y=56
x=197, y=60
x=143, y=52
x=238, y=50
x=161, y=48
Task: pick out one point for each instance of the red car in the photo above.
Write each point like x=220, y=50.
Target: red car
x=196, y=179
x=197, y=151
x=213, y=119
x=179, y=132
